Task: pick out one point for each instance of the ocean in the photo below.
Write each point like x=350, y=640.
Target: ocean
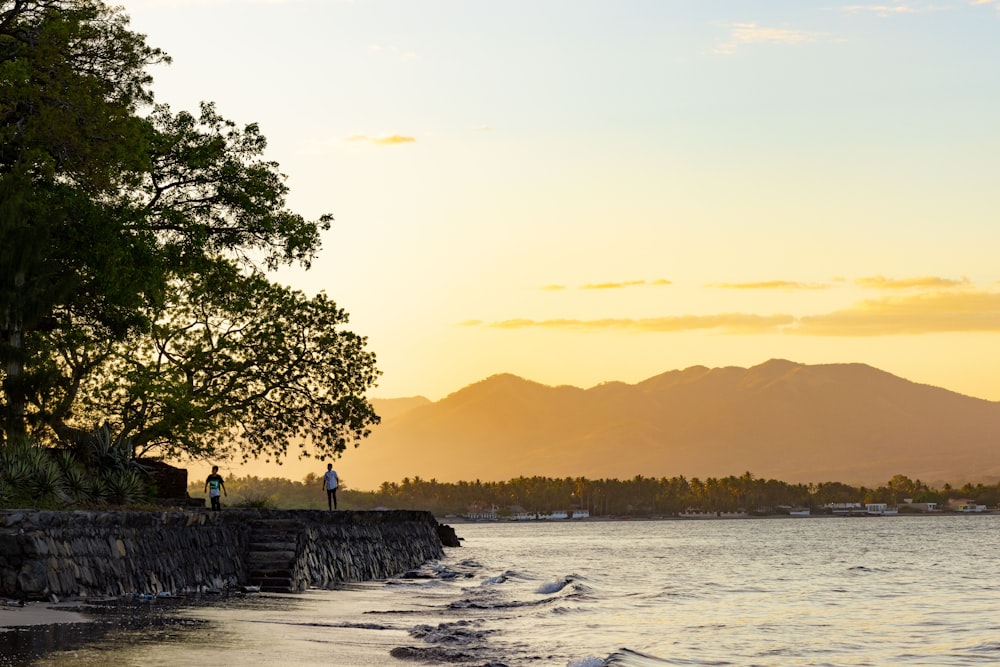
x=902, y=590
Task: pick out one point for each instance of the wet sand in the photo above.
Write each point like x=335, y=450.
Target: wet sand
x=38, y=630
x=13, y=615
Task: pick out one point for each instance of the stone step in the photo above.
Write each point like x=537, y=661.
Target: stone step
x=274, y=581
x=271, y=556
x=273, y=546
x=277, y=589
x=274, y=537
x=270, y=574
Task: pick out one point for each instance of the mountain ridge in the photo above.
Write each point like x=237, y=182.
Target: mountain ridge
x=851, y=423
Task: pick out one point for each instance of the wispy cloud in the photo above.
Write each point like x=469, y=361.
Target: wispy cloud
x=888, y=9
x=614, y=285
x=622, y=285
x=727, y=323
x=940, y=312
x=743, y=34
x=388, y=140
x=771, y=284
x=922, y=282
x=936, y=311
x=378, y=50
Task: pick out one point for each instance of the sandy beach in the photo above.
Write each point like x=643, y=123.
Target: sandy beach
x=15, y=615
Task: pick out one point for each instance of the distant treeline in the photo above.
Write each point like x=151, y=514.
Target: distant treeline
x=639, y=496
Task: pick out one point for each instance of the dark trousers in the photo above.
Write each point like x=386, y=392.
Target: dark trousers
x=331, y=498
x=216, y=503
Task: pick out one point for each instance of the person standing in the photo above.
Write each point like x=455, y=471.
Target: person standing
x=215, y=487
x=330, y=482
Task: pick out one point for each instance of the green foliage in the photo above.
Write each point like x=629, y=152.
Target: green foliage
x=132, y=251
x=640, y=496
x=240, y=371
x=35, y=476
x=256, y=500
x=123, y=487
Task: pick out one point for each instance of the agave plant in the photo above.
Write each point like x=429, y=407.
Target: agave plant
x=98, y=469
x=124, y=487
x=76, y=481
x=45, y=480
x=15, y=467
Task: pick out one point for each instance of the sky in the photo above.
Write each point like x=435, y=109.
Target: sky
x=582, y=191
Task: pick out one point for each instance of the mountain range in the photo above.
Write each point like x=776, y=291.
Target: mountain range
x=849, y=423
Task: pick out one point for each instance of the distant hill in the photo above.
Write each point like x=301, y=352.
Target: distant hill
x=798, y=423
x=390, y=408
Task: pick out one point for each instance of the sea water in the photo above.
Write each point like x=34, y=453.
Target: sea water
x=901, y=590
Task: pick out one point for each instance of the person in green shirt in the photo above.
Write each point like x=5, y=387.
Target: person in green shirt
x=215, y=487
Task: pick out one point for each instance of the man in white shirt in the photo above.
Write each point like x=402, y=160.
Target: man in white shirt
x=330, y=481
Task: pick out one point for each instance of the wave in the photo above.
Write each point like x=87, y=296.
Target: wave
x=502, y=578
x=626, y=657
x=557, y=585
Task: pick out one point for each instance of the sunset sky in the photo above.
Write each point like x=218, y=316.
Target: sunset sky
x=581, y=191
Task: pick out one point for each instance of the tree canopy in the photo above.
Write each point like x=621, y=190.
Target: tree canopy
x=135, y=243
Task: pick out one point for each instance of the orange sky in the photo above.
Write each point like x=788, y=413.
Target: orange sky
x=582, y=192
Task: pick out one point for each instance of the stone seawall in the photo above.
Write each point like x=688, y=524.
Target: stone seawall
x=84, y=553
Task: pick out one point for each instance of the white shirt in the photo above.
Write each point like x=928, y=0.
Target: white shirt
x=330, y=480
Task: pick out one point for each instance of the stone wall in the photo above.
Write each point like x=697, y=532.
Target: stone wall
x=83, y=553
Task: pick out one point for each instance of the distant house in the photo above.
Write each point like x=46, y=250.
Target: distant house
x=919, y=507
x=481, y=513
x=879, y=509
x=846, y=509
x=965, y=506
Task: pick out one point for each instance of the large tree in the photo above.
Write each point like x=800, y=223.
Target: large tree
x=132, y=258
x=72, y=77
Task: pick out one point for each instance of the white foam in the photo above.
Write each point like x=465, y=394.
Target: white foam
x=587, y=662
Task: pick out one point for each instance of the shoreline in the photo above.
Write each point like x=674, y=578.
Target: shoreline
x=460, y=520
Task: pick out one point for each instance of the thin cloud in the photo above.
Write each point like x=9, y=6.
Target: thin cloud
x=770, y=284
x=922, y=282
x=622, y=285
x=727, y=323
x=389, y=140
x=553, y=288
x=626, y=283
x=941, y=312
x=927, y=313
x=392, y=51
x=744, y=34
x=889, y=9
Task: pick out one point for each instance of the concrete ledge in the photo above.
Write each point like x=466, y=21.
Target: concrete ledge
x=82, y=553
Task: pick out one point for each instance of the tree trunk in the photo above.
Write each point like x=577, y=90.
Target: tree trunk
x=13, y=385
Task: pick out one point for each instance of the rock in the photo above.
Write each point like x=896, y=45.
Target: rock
x=448, y=536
